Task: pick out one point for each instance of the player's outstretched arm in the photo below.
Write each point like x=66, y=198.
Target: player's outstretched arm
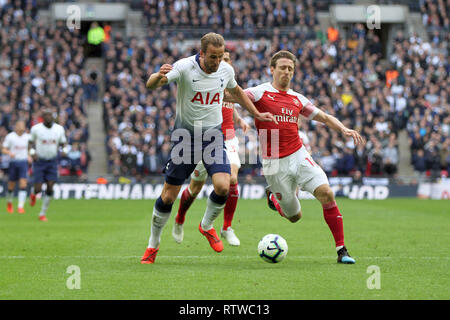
x=338, y=126
x=158, y=79
x=240, y=97
x=239, y=121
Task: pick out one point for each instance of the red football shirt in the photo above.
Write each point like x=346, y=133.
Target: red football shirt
x=282, y=139
x=228, y=123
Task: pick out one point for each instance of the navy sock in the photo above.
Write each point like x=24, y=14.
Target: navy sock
x=218, y=199
x=162, y=207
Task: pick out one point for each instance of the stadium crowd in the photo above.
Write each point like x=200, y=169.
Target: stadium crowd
x=231, y=16
x=345, y=77
x=42, y=66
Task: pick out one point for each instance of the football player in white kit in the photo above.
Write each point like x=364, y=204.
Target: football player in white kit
x=16, y=147
x=286, y=162
x=47, y=138
x=198, y=177
x=201, y=80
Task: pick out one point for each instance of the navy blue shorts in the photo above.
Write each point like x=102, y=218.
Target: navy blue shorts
x=45, y=170
x=187, y=153
x=18, y=170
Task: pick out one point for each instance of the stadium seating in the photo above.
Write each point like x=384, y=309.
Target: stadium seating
x=342, y=75
x=42, y=66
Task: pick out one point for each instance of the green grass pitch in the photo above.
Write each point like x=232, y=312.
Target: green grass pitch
x=407, y=239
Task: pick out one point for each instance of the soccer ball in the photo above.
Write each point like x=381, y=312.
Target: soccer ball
x=272, y=248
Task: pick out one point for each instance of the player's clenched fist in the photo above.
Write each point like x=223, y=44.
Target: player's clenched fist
x=165, y=68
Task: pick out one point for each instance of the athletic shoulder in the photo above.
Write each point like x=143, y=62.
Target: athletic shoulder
x=256, y=93
x=180, y=68
x=309, y=110
x=36, y=127
x=10, y=135
x=184, y=63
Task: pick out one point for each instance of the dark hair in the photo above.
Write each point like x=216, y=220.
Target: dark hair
x=282, y=54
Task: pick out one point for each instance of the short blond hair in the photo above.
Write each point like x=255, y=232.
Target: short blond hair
x=282, y=54
x=212, y=38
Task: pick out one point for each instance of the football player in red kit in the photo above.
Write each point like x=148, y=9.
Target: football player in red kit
x=286, y=162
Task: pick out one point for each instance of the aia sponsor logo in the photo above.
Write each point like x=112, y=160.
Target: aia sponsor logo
x=202, y=98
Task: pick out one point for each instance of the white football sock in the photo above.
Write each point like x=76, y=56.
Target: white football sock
x=159, y=220
x=45, y=202
x=9, y=196
x=213, y=210
x=22, y=198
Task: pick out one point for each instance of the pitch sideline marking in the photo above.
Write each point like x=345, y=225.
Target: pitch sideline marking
x=209, y=257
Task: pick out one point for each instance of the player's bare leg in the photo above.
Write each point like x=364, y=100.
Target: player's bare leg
x=161, y=214
x=334, y=220
x=187, y=198
x=215, y=204
x=230, y=207
x=9, y=196
x=22, y=195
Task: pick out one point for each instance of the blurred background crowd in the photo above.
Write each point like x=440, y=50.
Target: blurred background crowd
x=376, y=92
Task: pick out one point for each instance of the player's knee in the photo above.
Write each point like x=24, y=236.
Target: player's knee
x=324, y=194
x=222, y=189
x=233, y=179
x=169, y=196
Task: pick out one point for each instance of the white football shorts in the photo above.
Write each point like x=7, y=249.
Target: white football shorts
x=232, y=151
x=285, y=174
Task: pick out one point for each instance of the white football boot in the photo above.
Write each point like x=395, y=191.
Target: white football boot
x=230, y=237
x=178, y=232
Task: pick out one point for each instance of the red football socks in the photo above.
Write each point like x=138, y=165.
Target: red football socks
x=230, y=206
x=334, y=220
x=277, y=205
x=185, y=203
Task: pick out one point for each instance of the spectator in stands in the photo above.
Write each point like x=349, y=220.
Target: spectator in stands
x=328, y=162
x=419, y=162
x=345, y=162
x=40, y=66
x=375, y=159
x=390, y=158
x=348, y=82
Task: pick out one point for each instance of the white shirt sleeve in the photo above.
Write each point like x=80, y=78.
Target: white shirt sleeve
x=7, y=142
x=62, y=138
x=254, y=93
x=177, y=71
x=33, y=134
x=232, y=83
x=309, y=110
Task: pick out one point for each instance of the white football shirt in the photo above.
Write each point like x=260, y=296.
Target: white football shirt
x=47, y=140
x=17, y=145
x=199, y=94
